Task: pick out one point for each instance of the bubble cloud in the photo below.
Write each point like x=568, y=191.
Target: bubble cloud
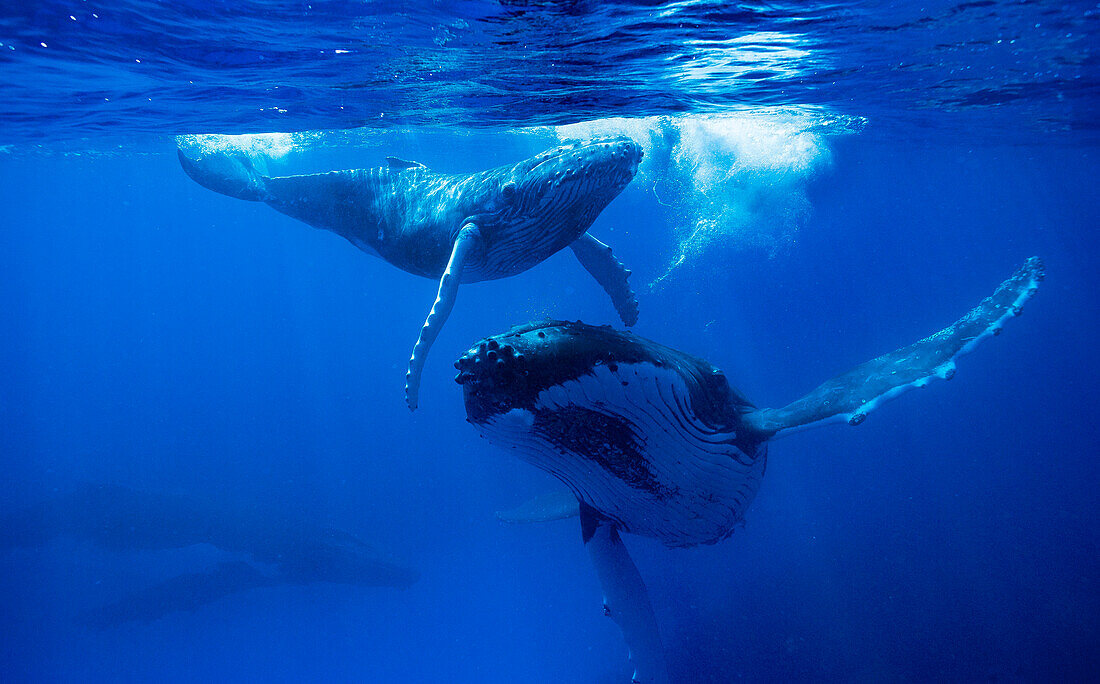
x=736, y=180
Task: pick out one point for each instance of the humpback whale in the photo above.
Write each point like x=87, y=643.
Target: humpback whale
x=457, y=228
x=656, y=442
x=281, y=548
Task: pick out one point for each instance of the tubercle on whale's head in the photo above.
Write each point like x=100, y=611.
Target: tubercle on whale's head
x=582, y=176
x=508, y=372
x=532, y=209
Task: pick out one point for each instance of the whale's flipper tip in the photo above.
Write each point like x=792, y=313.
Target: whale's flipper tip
x=609, y=272
x=851, y=396
x=412, y=389
x=468, y=237
x=1035, y=266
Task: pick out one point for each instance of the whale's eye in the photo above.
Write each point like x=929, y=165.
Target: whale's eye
x=508, y=190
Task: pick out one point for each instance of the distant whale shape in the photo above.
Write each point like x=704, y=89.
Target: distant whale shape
x=283, y=549
x=457, y=228
x=653, y=441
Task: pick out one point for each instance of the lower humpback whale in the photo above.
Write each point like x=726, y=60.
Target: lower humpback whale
x=281, y=548
x=656, y=442
x=458, y=228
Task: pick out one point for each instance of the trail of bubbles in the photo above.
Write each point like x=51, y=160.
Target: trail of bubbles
x=270, y=145
x=730, y=180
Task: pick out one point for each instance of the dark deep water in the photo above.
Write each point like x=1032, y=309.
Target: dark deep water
x=167, y=340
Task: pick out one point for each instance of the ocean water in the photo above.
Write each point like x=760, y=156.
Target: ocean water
x=189, y=381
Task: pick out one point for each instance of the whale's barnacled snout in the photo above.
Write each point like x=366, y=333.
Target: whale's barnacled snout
x=492, y=375
x=509, y=371
x=489, y=361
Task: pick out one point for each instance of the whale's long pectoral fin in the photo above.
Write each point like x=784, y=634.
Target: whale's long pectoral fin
x=853, y=395
x=626, y=600
x=465, y=243
x=597, y=259
x=555, y=505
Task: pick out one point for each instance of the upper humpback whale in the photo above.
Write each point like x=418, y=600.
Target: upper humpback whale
x=656, y=442
x=458, y=228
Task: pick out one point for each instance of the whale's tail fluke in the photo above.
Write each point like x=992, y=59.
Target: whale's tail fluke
x=625, y=598
x=230, y=170
x=851, y=396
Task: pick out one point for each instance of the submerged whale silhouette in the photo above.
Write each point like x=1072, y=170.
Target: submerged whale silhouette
x=457, y=228
x=283, y=549
x=653, y=441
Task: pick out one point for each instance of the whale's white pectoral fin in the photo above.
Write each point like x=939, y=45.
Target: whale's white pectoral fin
x=626, y=600
x=466, y=242
x=851, y=396
x=556, y=505
x=597, y=259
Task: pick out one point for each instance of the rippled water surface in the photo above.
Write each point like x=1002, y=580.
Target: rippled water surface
x=72, y=69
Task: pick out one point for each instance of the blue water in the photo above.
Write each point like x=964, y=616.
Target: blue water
x=823, y=183
x=140, y=67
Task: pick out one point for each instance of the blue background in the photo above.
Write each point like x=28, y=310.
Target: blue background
x=163, y=337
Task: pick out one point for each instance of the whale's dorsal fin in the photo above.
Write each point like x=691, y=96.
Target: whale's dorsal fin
x=851, y=396
x=398, y=163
